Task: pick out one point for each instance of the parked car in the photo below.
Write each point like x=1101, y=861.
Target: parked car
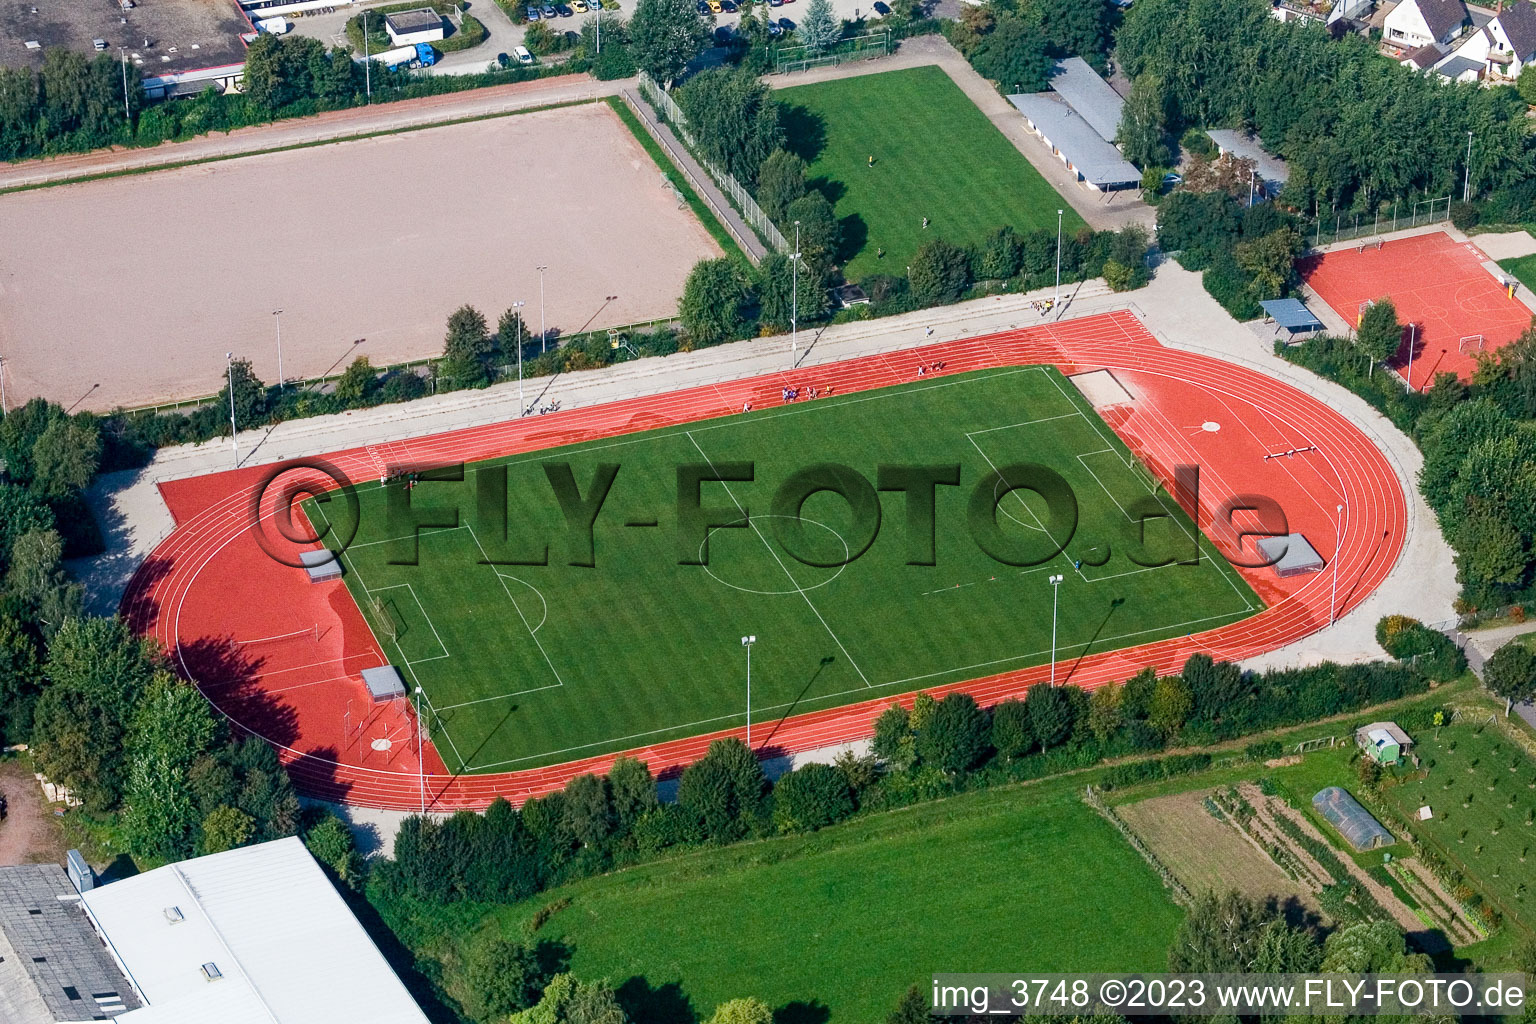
x=723, y=35
x=503, y=60
x=522, y=55
x=703, y=7
x=533, y=14
x=774, y=30
x=775, y=3
x=729, y=5
x=548, y=10
x=1173, y=179
x=786, y=25
x=565, y=11
x=881, y=8
x=580, y=5
x=714, y=6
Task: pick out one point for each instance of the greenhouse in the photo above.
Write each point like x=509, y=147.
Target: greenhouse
x=1353, y=821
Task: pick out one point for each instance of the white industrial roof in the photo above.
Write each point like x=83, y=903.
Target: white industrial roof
x=1096, y=160
x=1088, y=94
x=285, y=946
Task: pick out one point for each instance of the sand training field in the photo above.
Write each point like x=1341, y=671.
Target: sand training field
x=141, y=284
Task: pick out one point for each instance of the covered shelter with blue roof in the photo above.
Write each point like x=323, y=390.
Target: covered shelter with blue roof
x=1292, y=316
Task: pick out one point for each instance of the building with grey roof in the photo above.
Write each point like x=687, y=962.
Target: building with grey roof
x=53, y=967
x=1079, y=119
x=1271, y=169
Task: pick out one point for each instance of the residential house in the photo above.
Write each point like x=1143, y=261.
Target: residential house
x=1417, y=23
x=1505, y=46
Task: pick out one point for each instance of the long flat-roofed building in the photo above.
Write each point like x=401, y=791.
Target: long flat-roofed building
x=1079, y=119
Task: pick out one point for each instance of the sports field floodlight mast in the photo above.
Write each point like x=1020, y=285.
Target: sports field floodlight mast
x=2, y=388
x=1338, y=540
x=1058, y=258
x=1466, y=187
x=229, y=362
x=543, y=334
x=747, y=642
x=367, y=60
x=277, y=314
x=421, y=765
x=794, y=301
x=1055, y=597
x=521, y=409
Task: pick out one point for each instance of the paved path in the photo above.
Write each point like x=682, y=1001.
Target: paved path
x=328, y=127
x=1503, y=245
x=702, y=183
x=1103, y=211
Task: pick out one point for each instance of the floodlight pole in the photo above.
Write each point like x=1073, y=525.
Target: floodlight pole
x=1055, y=598
x=521, y=408
x=599, y=27
x=421, y=765
x=1338, y=540
x=1057, y=299
x=277, y=314
x=1413, y=334
x=234, y=440
x=367, y=60
x=122, y=53
x=1466, y=188
x=794, y=301
x=2, y=387
x=543, y=333
x=747, y=642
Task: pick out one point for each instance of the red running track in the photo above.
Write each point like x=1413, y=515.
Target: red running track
x=1439, y=286
x=281, y=657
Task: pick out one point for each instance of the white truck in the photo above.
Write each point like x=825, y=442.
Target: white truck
x=419, y=56
x=275, y=26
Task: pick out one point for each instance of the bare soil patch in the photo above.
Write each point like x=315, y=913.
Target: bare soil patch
x=28, y=834
x=141, y=284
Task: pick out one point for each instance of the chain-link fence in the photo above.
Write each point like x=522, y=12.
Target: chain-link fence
x=861, y=47
x=1342, y=226
x=753, y=214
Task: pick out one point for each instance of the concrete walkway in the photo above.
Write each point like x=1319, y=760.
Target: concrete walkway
x=329, y=127
x=1103, y=211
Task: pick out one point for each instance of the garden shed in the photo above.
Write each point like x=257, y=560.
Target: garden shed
x=1354, y=822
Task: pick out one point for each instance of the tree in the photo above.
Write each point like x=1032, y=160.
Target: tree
x=1526, y=83
x=1219, y=934
x=278, y=70
x=357, y=382
x=588, y=809
x=500, y=977
x=568, y=1001
x=1511, y=674
x=1271, y=261
x=818, y=30
x=742, y=1011
x=20, y=514
x=775, y=290
x=36, y=578
x=330, y=842
x=1128, y=249
x=512, y=330
x=1214, y=687
x=941, y=272
x=1143, y=132
x=1014, y=55
x=1170, y=707
x=955, y=738
x=250, y=404
x=724, y=789
x=1071, y=27
x=1050, y=714
x=1012, y=733
x=1104, y=711
x=1379, y=334
x=911, y=1008
x=171, y=726
x=1377, y=947
x=734, y=119
x=812, y=796
x=780, y=181
x=466, y=348
x=65, y=457
x=20, y=681
x=894, y=741
x=711, y=310
x=633, y=792
x=820, y=233
x=665, y=35
x=227, y=828
x=1491, y=556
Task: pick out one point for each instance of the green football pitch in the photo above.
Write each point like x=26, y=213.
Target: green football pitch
x=527, y=665
x=936, y=156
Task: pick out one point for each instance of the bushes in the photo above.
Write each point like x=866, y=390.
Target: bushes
x=1122, y=775
x=811, y=797
x=1434, y=653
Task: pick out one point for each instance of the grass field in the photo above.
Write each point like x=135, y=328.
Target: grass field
x=936, y=156
x=528, y=665
x=1524, y=269
x=1025, y=878
x=1482, y=790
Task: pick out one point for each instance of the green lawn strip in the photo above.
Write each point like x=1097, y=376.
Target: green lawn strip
x=1025, y=878
x=537, y=664
x=1524, y=269
x=220, y=158
x=659, y=156
x=936, y=156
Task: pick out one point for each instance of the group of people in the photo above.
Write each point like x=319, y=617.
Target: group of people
x=1043, y=306
x=790, y=394
x=540, y=410
x=924, y=369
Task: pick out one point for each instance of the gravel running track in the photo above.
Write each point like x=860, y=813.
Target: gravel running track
x=209, y=589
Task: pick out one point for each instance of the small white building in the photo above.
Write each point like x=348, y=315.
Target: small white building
x=1417, y=23
x=407, y=28
x=257, y=935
